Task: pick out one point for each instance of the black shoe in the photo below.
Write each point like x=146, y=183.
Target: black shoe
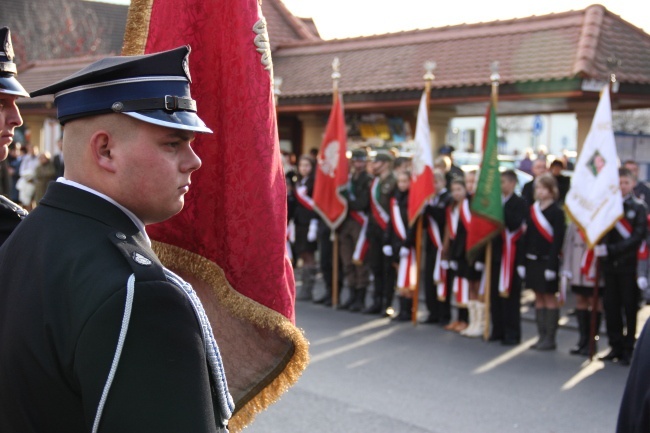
x=613, y=355
x=494, y=337
x=430, y=320
x=624, y=360
x=373, y=309
x=401, y=318
x=323, y=298
x=510, y=342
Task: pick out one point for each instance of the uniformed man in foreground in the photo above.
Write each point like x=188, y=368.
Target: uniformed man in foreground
x=10, y=90
x=96, y=335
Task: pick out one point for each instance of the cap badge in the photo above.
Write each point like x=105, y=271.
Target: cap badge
x=9, y=50
x=141, y=260
x=186, y=67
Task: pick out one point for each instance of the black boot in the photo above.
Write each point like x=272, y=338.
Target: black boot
x=582, y=316
x=405, y=307
x=375, y=308
x=348, y=302
x=540, y=319
x=359, y=301
x=552, y=323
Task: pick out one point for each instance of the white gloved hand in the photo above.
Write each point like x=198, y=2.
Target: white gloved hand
x=312, y=234
x=521, y=270
x=550, y=275
x=600, y=250
x=479, y=266
x=453, y=265
x=403, y=252
x=444, y=264
x=388, y=250
x=567, y=274
x=642, y=282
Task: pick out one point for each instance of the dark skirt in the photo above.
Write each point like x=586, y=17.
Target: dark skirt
x=466, y=270
x=535, y=277
x=302, y=245
x=587, y=291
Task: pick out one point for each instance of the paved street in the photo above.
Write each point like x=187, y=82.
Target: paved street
x=371, y=375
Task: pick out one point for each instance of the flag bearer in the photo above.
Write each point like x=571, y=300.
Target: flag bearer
x=381, y=190
x=545, y=227
x=618, y=253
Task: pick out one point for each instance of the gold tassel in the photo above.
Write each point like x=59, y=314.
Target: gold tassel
x=137, y=27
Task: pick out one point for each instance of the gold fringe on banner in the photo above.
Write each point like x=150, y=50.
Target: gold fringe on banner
x=264, y=354
x=137, y=27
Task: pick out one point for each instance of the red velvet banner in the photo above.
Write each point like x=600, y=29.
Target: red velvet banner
x=235, y=211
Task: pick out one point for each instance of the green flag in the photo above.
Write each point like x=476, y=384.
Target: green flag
x=486, y=206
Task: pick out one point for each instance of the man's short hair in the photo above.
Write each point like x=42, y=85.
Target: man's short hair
x=510, y=175
x=557, y=163
x=631, y=162
x=625, y=172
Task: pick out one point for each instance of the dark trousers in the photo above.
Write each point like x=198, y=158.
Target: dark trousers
x=382, y=269
x=326, y=247
x=438, y=309
x=621, y=299
x=505, y=312
x=356, y=276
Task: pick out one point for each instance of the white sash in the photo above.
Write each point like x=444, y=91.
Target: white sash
x=379, y=213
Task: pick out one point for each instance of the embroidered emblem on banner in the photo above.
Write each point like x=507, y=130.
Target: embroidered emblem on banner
x=141, y=260
x=331, y=158
x=262, y=43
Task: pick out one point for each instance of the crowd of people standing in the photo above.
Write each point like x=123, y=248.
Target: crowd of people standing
x=538, y=249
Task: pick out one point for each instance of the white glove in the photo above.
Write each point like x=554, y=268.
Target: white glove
x=642, y=282
x=403, y=252
x=521, y=270
x=600, y=250
x=479, y=266
x=453, y=265
x=312, y=234
x=550, y=275
x=567, y=274
x=388, y=250
x=444, y=264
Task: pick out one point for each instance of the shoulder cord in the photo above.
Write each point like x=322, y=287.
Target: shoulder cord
x=225, y=401
x=130, y=288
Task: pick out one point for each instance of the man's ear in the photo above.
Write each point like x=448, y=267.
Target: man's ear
x=102, y=149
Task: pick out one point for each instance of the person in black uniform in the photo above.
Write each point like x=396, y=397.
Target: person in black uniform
x=434, y=275
x=399, y=240
x=10, y=90
x=306, y=225
x=381, y=190
x=542, y=245
x=634, y=413
x=96, y=335
x=461, y=274
x=505, y=301
x=618, y=255
x=357, y=193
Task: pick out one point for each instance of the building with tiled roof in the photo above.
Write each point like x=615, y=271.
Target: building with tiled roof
x=548, y=64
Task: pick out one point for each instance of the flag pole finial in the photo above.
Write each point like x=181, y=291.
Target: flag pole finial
x=613, y=63
x=336, y=76
x=495, y=77
x=429, y=67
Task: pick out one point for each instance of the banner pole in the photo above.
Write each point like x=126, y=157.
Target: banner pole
x=336, y=75
x=428, y=77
